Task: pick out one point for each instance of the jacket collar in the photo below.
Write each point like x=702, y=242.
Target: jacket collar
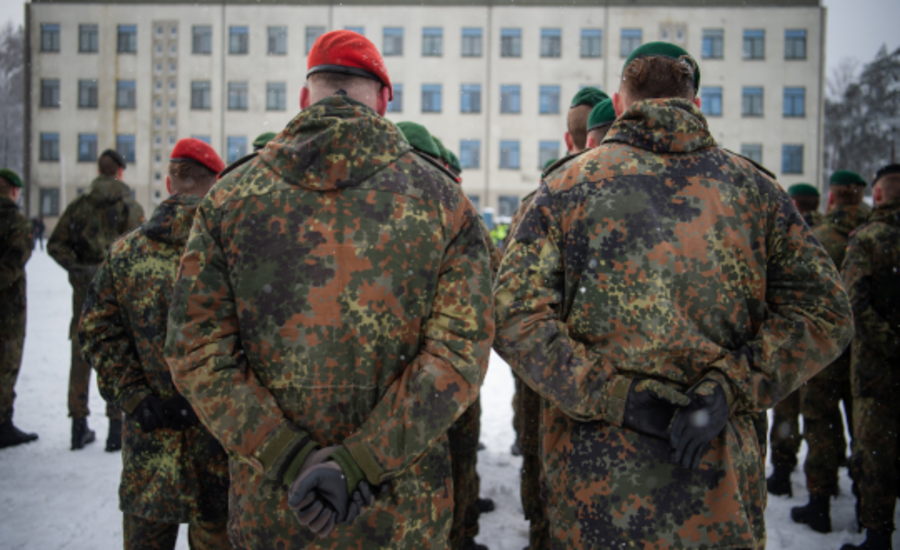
x=172, y=220
x=662, y=126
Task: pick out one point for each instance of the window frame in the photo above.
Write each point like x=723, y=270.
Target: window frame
x=238, y=95
x=790, y=97
x=432, y=41
x=54, y=91
x=745, y=151
x=91, y=155
x=238, y=40
x=392, y=41
x=205, y=92
x=707, y=105
x=796, y=149
x=466, y=148
x=130, y=89
x=790, y=44
x=313, y=32
x=545, y=146
x=514, y=91
x=84, y=85
x=747, y=93
x=628, y=36
x=513, y=156
x=281, y=41
x=48, y=150
x=396, y=105
x=715, y=37
x=279, y=89
x=92, y=32
x=237, y=142
x=130, y=144
x=201, y=35
x=470, y=98
x=589, y=35
x=126, y=39
x=50, y=37
x=548, y=91
x=431, y=90
x=474, y=36
x=51, y=193
x=551, y=42
x=751, y=36
x=511, y=42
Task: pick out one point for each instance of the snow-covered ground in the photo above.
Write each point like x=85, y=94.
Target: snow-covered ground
x=52, y=498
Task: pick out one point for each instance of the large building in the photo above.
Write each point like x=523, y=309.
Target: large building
x=491, y=78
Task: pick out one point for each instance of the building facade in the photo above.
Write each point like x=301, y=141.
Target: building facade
x=492, y=79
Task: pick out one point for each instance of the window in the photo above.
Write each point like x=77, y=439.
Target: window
x=237, y=96
x=237, y=148
x=470, y=98
x=432, y=42
x=591, y=42
x=172, y=66
x=50, y=37
x=87, y=94
x=87, y=147
x=396, y=104
x=172, y=85
x=510, y=98
x=49, y=146
x=276, y=96
x=49, y=202
x=159, y=30
x=50, y=92
x=508, y=205
x=752, y=103
x=471, y=42
x=549, y=100
x=752, y=151
x=551, y=43
x=125, y=94
x=204, y=138
x=631, y=39
x=755, y=44
x=171, y=104
x=238, y=40
x=125, y=146
x=173, y=49
x=711, y=100
x=173, y=31
x=431, y=98
x=476, y=201
x=127, y=40
x=158, y=84
x=277, y=41
x=795, y=102
x=791, y=159
x=312, y=34
x=88, y=39
x=510, y=42
x=171, y=122
x=157, y=122
x=470, y=153
x=357, y=30
x=509, y=157
x=201, y=95
x=795, y=44
x=393, y=41
x=713, y=44
x=201, y=40
x=547, y=151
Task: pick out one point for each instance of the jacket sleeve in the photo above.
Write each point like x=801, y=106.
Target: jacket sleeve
x=445, y=377
x=58, y=246
x=18, y=246
x=872, y=329
x=107, y=345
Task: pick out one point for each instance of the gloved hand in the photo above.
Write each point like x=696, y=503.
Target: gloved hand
x=150, y=414
x=179, y=415
x=697, y=425
x=650, y=406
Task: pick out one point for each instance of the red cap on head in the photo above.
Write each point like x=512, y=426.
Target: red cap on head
x=194, y=150
x=348, y=52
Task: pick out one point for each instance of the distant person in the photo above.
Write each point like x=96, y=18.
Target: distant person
x=599, y=122
x=79, y=243
x=16, y=244
x=576, y=119
x=173, y=470
x=38, y=227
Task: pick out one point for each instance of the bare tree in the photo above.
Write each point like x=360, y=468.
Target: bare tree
x=12, y=96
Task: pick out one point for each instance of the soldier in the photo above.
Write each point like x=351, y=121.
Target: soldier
x=871, y=279
x=262, y=139
x=806, y=199
x=79, y=243
x=599, y=122
x=660, y=293
x=173, y=470
x=332, y=319
x=577, y=118
x=16, y=244
x=38, y=227
x=823, y=425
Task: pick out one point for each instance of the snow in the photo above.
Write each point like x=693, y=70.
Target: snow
x=52, y=498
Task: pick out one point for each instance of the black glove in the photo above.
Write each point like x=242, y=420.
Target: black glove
x=150, y=414
x=179, y=414
x=650, y=406
x=362, y=498
x=697, y=425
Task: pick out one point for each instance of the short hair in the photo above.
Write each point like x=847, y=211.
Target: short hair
x=890, y=187
x=576, y=122
x=659, y=77
x=338, y=81
x=7, y=188
x=191, y=178
x=600, y=132
x=847, y=195
x=108, y=166
x=806, y=203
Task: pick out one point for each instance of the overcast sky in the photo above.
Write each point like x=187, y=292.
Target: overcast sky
x=856, y=28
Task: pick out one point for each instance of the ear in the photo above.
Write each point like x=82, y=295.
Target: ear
x=120, y=174
x=570, y=143
x=877, y=195
x=618, y=104
x=304, y=98
x=698, y=102
x=830, y=198
x=384, y=97
x=591, y=142
x=169, y=184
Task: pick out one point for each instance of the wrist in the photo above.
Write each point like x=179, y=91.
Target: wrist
x=615, y=393
x=293, y=467
x=352, y=472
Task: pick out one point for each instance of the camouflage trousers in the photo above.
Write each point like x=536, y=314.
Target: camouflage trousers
x=785, y=434
x=876, y=457
x=11, y=346
x=526, y=421
x=145, y=534
x=464, y=435
x=823, y=425
x=80, y=370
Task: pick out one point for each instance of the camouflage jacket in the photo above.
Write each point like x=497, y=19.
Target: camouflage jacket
x=167, y=475
x=336, y=288
x=16, y=244
x=92, y=222
x=871, y=278
x=660, y=255
x=837, y=224
x=814, y=218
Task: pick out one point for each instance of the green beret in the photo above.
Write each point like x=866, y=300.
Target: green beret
x=113, y=154
x=11, y=177
x=846, y=177
x=803, y=190
x=454, y=162
x=549, y=163
x=419, y=138
x=443, y=150
x=602, y=114
x=589, y=96
x=262, y=139
x=663, y=49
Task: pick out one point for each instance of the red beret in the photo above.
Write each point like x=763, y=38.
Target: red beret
x=348, y=52
x=194, y=150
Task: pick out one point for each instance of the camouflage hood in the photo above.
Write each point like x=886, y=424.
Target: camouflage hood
x=334, y=144
x=662, y=126
x=844, y=219
x=171, y=221
x=887, y=213
x=105, y=189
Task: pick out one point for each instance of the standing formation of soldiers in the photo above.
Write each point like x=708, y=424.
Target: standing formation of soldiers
x=297, y=341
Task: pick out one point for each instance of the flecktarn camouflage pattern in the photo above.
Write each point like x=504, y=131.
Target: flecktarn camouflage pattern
x=660, y=255
x=336, y=288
